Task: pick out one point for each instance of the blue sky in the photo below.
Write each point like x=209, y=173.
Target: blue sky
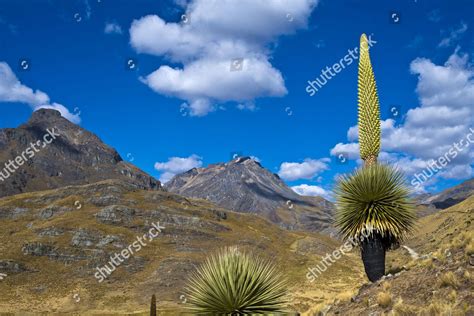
x=181, y=105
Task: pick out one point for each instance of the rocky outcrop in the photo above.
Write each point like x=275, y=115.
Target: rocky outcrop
x=115, y=214
x=12, y=267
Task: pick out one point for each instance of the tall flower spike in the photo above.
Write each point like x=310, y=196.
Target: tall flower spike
x=369, y=108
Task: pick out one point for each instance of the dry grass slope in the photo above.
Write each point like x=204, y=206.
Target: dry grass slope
x=65, y=244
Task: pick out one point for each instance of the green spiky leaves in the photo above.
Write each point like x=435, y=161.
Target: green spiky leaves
x=368, y=104
x=234, y=282
x=374, y=199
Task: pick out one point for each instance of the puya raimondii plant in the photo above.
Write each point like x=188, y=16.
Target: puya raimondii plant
x=232, y=282
x=374, y=200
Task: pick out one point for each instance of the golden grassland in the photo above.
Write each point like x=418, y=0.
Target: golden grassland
x=440, y=280
x=50, y=285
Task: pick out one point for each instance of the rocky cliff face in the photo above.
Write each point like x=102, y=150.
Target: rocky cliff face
x=74, y=156
x=244, y=185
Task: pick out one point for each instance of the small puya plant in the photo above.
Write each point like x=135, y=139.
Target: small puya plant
x=232, y=282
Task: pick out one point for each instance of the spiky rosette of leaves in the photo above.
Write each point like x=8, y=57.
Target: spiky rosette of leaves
x=368, y=104
x=234, y=282
x=374, y=200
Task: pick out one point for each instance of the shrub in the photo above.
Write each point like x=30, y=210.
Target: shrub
x=467, y=276
x=384, y=299
x=402, y=309
x=452, y=296
x=449, y=279
x=438, y=308
x=465, y=240
x=386, y=286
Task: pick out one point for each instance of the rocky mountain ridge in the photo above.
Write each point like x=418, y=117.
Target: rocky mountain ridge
x=432, y=203
x=74, y=156
x=452, y=196
x=244, y=185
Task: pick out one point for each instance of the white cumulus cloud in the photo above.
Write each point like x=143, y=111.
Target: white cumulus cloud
x=308, y=169
x=221, y=54
x=12, y=90
x=177, y=165
x=312, y=190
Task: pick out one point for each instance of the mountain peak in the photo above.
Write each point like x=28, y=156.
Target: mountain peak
x=44, y=114
x=244, y=185
x=43, y=117
x=246, y=160
x=74, y=156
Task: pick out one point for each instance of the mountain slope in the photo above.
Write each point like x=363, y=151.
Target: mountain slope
x=452, y=196
x=74, y=157
x=428, y=204
x=53, y=241
x=244, y=185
